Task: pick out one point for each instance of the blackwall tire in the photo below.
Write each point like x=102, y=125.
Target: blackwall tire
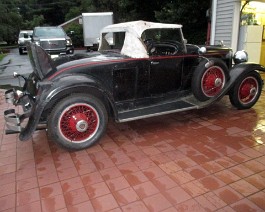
x=209, y=78
x=20, y=51
x=246, y=91
x=77, y=122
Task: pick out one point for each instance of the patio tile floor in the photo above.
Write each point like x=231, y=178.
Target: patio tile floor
x=211, y=159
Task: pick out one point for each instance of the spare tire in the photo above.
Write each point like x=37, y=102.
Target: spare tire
x=209, y=78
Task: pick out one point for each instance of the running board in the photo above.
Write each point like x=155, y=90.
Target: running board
x=156, y=110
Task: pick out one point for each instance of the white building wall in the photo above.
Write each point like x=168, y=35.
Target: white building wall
x=227, y=19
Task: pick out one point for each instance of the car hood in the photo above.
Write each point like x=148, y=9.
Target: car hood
x=49, y=38
x=44, y=66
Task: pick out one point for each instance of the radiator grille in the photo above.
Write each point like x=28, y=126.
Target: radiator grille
x=53, y=44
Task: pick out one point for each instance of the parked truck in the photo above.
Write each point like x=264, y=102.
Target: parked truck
x=92, y=25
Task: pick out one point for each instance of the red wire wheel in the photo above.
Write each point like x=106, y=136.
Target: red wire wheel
x=248, y=90
x=213, y=81
x=78, y=122
x=209, y=79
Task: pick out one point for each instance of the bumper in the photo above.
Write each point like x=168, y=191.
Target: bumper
x=24, y=48
x=13, y=119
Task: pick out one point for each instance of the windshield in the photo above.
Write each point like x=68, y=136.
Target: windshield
x=161, y=35
x=23, y=34
x=164, y=35
x=49, y=32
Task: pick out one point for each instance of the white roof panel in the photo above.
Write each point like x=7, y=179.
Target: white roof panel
x=138, y=27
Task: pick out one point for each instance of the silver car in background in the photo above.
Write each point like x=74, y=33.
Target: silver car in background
x=23, y=38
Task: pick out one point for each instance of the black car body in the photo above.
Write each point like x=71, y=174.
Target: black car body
x=142, y=69
x=53, y=39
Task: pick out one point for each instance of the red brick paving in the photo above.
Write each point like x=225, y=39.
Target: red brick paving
x=211, y=159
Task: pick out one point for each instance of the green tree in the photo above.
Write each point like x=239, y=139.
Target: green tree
x=191, y=14
x=77, y=36
x=50, y=12
x=10, y=21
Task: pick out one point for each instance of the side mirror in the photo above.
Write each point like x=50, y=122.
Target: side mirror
x=15, y=74
x=202, y=50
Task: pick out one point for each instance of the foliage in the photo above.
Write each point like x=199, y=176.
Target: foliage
x=1, y=56
x=190, y=13
x=77, y=35
x=10, y=21
x=26, y=14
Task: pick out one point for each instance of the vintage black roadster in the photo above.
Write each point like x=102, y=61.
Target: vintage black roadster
x=141, y=69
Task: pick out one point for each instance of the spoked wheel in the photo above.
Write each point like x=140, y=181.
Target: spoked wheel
x=246, y=90
x=77, y=122
x=213, y=81
x=208, y=81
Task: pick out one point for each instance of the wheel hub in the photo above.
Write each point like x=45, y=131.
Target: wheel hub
x=79, y=122
x=218, y=82
x=81, y=126
x=253, y=91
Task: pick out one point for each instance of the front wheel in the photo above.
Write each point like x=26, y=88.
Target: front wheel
x=246, y=91
x=78, y=121
x=209, y=79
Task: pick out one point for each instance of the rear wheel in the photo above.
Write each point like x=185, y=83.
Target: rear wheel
x=77, y=121
x=246, y=90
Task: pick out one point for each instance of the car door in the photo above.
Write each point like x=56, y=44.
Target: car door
x=131, y=80
x=165, y=74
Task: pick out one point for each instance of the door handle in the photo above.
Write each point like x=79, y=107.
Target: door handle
x=154, y=63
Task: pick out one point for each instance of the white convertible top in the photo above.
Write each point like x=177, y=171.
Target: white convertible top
x=138, y=27
x=133, y=45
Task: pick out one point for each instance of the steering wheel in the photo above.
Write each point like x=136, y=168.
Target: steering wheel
x=149, y=43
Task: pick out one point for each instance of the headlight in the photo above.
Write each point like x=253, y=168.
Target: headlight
x=240, y=57
x=37, y=43
x=69, y=42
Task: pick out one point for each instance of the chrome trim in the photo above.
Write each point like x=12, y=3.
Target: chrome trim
x=11, y=116
x=12, y=120
x=16, y=128
x=12, y=95
x=157, y=114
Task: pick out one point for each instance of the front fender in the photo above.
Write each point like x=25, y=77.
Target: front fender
x=244, y=68
x=239, y=70
x=234, y=73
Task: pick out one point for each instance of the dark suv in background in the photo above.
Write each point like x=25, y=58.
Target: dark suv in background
x=53, y=39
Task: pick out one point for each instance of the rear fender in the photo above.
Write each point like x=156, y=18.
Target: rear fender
x=54, y=91
x=78, y=84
